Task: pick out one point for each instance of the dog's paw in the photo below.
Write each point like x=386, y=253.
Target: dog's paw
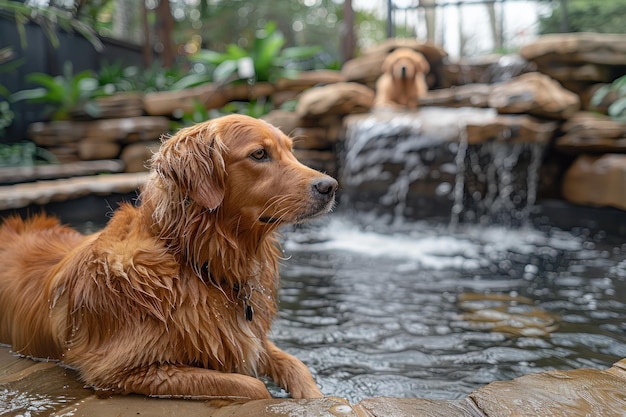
x=255, y=389
x=305, y=391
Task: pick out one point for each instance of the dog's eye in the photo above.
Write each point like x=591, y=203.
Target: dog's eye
x=260, y=155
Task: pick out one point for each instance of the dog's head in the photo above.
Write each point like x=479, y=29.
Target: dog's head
x=405, y=63
x=243, y=169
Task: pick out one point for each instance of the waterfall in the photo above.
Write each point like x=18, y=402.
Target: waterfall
x=420, y=165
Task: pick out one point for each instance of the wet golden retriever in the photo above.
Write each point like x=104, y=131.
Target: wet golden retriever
x=403, y=80
x=174, y=297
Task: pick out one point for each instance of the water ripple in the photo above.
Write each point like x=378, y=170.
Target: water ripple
x=383, y=310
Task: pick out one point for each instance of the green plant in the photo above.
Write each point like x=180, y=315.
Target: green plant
x=254, y=108
x=155, y=77
x=584, y=16
x=117, y=77
x=24, y=154
x=617, y=109
x=6, y=116
x=197, y=115
x=64, y=92
x=267, y=56
x=7, y=63
x=48, y=18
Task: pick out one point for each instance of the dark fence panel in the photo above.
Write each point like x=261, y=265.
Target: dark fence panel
x=39, y=55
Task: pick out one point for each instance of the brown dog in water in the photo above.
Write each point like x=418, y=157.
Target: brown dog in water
x=174, y=297
x=403, y=80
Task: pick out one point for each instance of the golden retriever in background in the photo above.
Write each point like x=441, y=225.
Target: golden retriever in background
x=403, y=79
x=173, y=298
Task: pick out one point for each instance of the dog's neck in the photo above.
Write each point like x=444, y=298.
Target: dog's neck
x=235, y=292
x=216, y=239
x=197, y=235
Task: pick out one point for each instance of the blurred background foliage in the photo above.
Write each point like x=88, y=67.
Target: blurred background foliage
x=184, y=43
x=601, y=16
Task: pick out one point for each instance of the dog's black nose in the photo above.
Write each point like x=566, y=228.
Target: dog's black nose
x=325, y=186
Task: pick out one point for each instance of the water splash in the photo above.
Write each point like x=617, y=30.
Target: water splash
x=17, y=402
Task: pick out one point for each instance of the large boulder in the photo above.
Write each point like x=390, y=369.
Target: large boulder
x=535, y=94
x=579, y=59
x=597, y=181
x=336, y=99
x=592, y=132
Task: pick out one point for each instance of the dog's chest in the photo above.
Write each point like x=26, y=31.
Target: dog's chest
x=224, y=328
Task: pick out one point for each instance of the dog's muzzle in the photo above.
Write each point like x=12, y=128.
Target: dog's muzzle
x=324, y=189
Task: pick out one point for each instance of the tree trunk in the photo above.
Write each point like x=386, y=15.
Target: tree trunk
x=165, y=29
x=147, y=54
x=429, y=13
x=496, y=35
x=347, y=41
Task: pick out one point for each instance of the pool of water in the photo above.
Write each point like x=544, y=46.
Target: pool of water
x=416, y=309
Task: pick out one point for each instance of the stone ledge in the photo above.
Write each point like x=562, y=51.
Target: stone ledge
x=578, y=392
x=13, y=175
x=44, y=192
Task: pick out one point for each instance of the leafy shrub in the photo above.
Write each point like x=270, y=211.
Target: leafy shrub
x=617, y=109
x=267, y=57
x=24, y=154
x=63, y=92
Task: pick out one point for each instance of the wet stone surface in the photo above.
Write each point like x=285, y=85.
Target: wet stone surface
x=29, y=388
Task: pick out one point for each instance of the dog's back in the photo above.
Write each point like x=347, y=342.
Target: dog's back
x=29, y=250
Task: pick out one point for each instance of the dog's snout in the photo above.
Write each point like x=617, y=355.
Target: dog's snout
x=325, y=186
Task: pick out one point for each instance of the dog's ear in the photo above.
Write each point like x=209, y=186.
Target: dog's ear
x=421, y=64
x=193, y=161
x=386, y=65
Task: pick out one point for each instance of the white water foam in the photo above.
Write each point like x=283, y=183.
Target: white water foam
x=469, y=248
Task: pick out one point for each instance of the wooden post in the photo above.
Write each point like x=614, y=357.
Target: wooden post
x=348, y=41
x=147, y=54
x=165, y=29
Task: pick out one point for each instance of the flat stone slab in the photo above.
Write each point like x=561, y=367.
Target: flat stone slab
x=578, y=48
x=592, y=132
x=520, y=128
x=14, y=175
x=579, y=392
x=44, y=192
x=469, y=95
x=33, y=388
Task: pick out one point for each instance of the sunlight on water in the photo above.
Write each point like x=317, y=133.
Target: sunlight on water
x=420, y=310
